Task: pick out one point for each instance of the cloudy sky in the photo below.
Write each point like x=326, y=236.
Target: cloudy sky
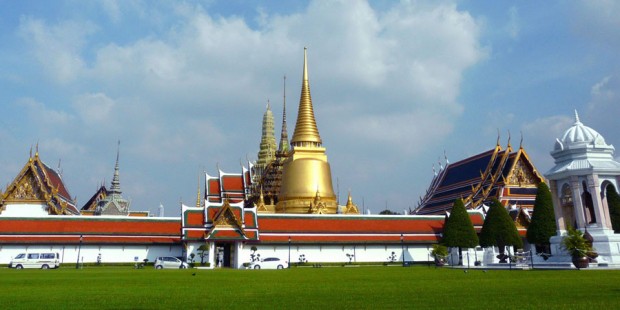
x=183, y=85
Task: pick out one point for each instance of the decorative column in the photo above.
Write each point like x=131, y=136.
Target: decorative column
x=212, y=259
x=603, y=195
x=578, y=206
x=592, y=183
x=557, y=206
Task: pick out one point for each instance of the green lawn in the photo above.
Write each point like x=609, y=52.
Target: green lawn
x=323, y=288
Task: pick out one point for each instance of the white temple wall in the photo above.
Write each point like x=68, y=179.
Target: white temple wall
x=25, y=210
x=338, y=253
x=88, y=253
x=319, y=253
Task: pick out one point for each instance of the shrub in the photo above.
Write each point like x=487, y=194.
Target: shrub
x=543, y=224
x=458, y=230
x=613, y=201
x=575, y=243
x=499, y=229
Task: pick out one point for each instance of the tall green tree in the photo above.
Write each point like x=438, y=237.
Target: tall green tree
x=543, y=224
x=613, y=201
x=458, y=230
x=499, y=230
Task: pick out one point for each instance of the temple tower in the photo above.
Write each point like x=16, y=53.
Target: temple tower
x=267, y=151
x=284, y=147
x=114, y=203
x=306, y=179
x=584, y=168
x=269, y=185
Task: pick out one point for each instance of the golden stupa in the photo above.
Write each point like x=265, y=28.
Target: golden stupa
x=306, y=175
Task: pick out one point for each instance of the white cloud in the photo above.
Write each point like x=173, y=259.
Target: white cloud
x=605, y=96
x=57, y=47
x=598, y=21
x=112, y=9
x=603, y=109
x=513, y=26
x=539, y=138
x=43, y=116
x=193, y=94
x=94, y=107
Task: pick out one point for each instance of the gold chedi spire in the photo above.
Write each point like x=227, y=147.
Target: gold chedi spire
x=306, y=172
x=306, y=132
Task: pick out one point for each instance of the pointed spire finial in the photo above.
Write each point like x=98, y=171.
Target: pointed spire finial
x=577, y=117
x=305, y=75
x=508, y=139
x=306, y=132
x=349, y=199
x=521, y=142
x=284, y=145
x=116, y=183
x=497, y=143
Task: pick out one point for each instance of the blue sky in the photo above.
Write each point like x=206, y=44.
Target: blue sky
x=183, y=85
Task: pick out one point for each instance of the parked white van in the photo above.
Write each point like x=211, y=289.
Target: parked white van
x=35, y=260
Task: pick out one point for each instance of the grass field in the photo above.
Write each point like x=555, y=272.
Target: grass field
x=301, y=288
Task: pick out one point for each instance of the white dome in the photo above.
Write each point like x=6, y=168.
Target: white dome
x=580, y=134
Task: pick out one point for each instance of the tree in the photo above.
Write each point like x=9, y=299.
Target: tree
x=191, y=259
x=499, y=230
x=613, y=201
x=543, y=224
x=458, y=230
x=204, y=251
x=388, y=212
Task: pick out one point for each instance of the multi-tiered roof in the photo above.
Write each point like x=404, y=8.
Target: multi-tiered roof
x=500, y=173
x=37, y=183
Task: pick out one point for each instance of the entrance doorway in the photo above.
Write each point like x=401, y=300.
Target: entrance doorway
x=224, y=254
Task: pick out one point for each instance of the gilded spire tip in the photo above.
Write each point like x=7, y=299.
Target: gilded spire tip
x=305, y=64
x=497, y=143
x=306, y=132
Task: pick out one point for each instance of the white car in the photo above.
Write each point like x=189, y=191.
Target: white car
x=269, y=263
x=169, y=262
x=35, y=260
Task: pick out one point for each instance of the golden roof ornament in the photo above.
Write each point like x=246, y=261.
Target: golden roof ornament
x=351, y=208
x=260, y=205
x=306, y=131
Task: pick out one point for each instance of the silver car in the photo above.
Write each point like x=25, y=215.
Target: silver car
x=169, y=262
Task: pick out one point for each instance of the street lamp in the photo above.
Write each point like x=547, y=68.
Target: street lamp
x=289, y=252
x=402, y=245
x=77, y=264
